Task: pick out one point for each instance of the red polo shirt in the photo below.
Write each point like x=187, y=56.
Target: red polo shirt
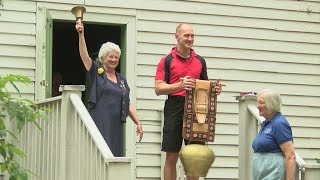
x=179, y=67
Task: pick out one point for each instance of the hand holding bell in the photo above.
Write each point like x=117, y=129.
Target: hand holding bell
x=78, y=12
x=79, y=26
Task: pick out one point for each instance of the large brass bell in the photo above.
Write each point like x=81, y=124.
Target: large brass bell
x=78, y=12
x=196, y=159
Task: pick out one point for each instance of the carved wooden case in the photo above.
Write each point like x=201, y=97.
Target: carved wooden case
x=200, y=112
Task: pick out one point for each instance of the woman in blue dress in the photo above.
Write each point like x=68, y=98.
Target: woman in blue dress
x=109, y=103
x=274, y=156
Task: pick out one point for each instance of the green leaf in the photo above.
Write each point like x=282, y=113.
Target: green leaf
x=3, y=133
x=17, y=151
x=21, y=111
x=2, y=125
x=12, y=134
x=21, y=122
x=3, y=167
x=17, y=89
x=13, y=178
x=24, y=175
x=3, y=152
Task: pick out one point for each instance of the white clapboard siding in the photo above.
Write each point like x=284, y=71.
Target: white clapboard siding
x=304, y=79
x=303, y=121
x=16, y=50
x=238, y=43
x=17, y=39
x=249, y=49
x=148, y=148
x=294, y=5
x=250, y=45
x=237, y=53
x=17, y=62
x=244, y=64
x=229, y=31
x=17, y=28
x=25, y=90
x=23, y=72
x=307, y=143
x=78, y=2
x=17, y=43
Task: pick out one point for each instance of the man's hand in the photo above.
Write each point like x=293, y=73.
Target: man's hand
x=187, y=83
x=218, y=87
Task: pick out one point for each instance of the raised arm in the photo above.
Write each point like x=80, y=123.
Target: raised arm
x=83, y=47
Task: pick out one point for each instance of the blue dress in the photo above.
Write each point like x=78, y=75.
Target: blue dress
x=109, y=107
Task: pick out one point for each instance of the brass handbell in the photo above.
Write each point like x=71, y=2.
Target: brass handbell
x=196, y=159
x=78, y=12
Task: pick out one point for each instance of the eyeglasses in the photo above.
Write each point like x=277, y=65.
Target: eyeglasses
x=260, y=104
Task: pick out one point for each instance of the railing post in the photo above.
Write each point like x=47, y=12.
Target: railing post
x=67, y=135
x=247, y=132
x=120, y=168
x=312, y=172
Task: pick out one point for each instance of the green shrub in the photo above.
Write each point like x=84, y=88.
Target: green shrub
x=18, y=111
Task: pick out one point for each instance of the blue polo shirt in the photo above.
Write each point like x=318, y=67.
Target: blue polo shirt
x=272, y=134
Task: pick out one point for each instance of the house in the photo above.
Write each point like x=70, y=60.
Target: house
x=249, y=45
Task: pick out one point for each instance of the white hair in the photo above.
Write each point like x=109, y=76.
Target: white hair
x=272, y=100
x=106, y=48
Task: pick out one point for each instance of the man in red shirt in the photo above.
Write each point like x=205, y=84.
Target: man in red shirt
x=184, y=68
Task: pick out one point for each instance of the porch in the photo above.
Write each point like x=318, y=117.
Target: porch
x=69, y=146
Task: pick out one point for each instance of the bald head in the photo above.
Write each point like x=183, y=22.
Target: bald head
x=185, y=37
x=182, y=26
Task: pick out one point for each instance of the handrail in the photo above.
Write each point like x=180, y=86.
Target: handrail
x=118, y=167
x=70, y=146
x=255, y=112
x=300, y=162
x=92, y=128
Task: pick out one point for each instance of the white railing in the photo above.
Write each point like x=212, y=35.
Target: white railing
x=69, y=146
x=249, y=121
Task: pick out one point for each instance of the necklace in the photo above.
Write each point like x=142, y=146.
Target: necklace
x=182, y=56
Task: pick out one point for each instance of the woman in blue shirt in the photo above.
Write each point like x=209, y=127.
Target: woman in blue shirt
x=274, y=156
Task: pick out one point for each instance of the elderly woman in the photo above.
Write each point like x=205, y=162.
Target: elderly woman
x=274, y=156
x=109, y=103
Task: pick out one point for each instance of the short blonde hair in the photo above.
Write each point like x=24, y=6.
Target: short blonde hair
x=106, y=48
x=272, y=100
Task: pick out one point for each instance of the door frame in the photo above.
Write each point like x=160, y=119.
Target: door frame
x=43, y=53
x=47, y=12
